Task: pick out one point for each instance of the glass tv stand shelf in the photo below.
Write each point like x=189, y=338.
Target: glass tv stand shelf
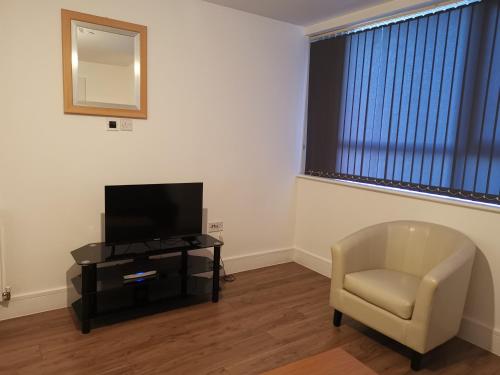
x=177, y=272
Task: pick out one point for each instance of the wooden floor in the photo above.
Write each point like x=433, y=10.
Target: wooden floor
x=265, y=319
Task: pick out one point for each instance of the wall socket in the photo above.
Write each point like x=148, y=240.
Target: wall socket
x=126, y=124
x=216, y=226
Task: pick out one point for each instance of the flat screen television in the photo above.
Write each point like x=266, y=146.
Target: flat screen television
x=139, y=213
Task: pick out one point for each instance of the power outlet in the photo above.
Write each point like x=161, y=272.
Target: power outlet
x=216, y=226
x=126, y=124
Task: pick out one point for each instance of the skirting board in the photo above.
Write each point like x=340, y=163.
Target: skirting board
x=312, y=261
x=480, y=335
x=256, y=260
x=471, y=330
x=33, y=303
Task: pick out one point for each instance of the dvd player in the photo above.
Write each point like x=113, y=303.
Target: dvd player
x=139, y=276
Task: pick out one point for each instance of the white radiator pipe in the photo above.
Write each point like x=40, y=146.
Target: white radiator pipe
x=3, y=276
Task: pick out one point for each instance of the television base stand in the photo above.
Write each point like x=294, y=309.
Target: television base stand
x=177, y=272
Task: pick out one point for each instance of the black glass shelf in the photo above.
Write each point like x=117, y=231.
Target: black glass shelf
x=185, y=272
x=96, y=253
x=143, y=299
x=199, y=262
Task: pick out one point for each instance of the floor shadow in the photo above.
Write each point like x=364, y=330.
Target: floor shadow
x=72, y=295
x=443, y=357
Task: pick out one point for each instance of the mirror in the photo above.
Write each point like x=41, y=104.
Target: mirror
x=104, y=63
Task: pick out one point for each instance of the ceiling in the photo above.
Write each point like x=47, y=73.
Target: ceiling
x=299, y=12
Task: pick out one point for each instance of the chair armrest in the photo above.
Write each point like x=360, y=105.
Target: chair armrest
x=360, y=251
x=441, y=297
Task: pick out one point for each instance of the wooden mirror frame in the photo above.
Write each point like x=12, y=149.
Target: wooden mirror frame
x=69, y=107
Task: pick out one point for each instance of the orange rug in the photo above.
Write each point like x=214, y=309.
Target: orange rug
x=332, y=362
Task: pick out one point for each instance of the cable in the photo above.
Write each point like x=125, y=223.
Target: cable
x=227, y=278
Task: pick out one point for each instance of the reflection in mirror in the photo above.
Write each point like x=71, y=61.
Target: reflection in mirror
x=106, y=66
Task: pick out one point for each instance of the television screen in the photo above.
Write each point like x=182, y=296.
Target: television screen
x=136, y=213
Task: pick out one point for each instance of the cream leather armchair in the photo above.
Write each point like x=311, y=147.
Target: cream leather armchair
x=405, y=279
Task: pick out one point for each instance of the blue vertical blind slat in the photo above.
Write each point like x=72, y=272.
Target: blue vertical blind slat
x=420, y=101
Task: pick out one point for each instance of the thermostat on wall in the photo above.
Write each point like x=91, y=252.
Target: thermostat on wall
x=112, y=124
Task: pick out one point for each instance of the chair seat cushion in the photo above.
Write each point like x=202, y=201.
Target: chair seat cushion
x=390, y=290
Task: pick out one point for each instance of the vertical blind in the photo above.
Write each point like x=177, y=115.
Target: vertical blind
x=413, y=105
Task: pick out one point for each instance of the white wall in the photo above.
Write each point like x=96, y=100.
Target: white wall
x=226, y=94
x=107, y=83
x=327, y=212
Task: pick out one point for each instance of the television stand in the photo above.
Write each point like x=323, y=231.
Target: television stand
x=185, y=274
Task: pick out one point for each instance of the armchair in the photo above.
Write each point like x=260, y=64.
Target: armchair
x=405, y=279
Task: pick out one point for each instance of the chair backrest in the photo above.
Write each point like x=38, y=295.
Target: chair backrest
x=416, y=247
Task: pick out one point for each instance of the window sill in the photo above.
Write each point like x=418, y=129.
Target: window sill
x=406, y=193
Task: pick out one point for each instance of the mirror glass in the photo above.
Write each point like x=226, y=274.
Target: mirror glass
x=106, y=66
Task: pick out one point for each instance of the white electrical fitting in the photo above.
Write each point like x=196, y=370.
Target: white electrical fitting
x=3, y=276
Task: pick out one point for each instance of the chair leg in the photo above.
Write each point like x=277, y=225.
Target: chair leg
x=416, y=361
x=337, y=318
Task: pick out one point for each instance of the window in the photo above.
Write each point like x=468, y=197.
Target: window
x=413, y=104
